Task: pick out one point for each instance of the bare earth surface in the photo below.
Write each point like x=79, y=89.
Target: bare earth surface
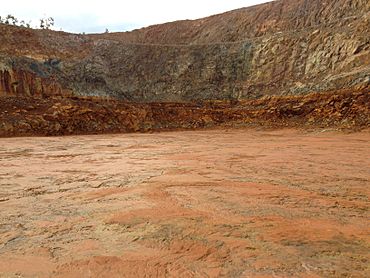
x=233, y=203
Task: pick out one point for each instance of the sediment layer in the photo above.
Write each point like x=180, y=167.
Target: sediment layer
x=64, y=116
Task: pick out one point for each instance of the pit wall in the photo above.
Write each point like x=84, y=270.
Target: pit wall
x=20, y=116
x=282, y=64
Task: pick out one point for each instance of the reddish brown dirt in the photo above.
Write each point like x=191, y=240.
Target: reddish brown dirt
x=20, y=116
x=231, y=203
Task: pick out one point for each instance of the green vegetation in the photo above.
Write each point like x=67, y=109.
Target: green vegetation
x=45, y=23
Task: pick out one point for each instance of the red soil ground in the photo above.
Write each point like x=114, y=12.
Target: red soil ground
x=232, y=203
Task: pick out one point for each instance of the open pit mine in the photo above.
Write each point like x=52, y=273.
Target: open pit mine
x=236, y=145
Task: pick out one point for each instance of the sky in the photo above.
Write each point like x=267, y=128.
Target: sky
x=94, y=16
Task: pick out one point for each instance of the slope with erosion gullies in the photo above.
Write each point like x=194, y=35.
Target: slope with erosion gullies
x=278, y=48
x=251, y=22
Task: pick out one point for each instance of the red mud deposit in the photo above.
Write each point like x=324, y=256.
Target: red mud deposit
x=216, y=203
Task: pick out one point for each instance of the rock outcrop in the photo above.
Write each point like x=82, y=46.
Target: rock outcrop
x=65, y=116
x=285, y=48
x=280, y=48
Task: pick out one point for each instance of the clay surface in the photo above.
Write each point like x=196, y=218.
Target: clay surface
x=231, y=203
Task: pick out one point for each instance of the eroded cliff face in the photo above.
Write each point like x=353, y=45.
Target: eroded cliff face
x=27, y=78
x=65, y=116
x=252, y=22
x=280, y=62
x=277, y=65
x=279, y=48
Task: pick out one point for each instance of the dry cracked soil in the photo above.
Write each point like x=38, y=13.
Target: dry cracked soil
x=215, y=203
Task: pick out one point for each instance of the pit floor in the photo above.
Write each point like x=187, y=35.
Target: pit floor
x=216, y=203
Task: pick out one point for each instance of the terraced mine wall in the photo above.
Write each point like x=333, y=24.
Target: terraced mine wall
x=278, y=65
x=280, y=50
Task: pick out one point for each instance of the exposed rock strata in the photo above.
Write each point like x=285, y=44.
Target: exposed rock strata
x=63, y=116
x=279, y=48
x=284, y=48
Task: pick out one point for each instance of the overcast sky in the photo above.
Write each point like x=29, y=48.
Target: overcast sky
x=95, y=15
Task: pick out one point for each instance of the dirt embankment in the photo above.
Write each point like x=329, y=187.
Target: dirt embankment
x=21, y=116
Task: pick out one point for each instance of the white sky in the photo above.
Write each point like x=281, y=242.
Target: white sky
x=96, y=15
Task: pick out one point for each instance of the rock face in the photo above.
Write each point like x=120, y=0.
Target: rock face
x=279, y=48
x=284, y=63
x=31, y=116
